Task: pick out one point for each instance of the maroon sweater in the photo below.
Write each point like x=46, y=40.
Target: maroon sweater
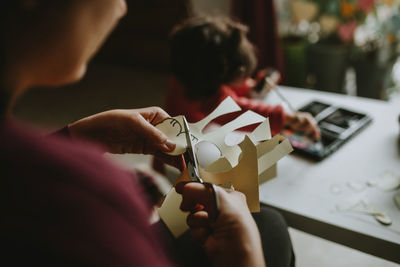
x=63, y=204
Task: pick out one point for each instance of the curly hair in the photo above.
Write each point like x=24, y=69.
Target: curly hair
x=207, y=52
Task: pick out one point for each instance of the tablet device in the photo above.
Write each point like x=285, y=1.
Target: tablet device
x=337, y=125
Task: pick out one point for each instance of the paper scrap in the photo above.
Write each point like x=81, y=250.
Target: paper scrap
x=336, y=189
x=386, y=181
x=396, y=199
x=357, y=186
x=383, y=218
x=361, y=205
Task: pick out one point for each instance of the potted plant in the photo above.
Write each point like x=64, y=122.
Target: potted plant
x=376, y=48
x=328, y=26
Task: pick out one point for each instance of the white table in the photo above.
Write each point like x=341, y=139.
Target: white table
x=302, y=190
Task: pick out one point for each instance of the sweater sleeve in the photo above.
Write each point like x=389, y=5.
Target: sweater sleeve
x=244, y=89
x=64, y=132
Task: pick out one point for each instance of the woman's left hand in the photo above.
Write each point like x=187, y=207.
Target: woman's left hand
x=127, y=131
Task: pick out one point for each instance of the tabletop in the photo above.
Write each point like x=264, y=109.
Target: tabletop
x=302, y=191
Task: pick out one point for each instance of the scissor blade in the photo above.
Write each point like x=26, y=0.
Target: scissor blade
x=190, y=157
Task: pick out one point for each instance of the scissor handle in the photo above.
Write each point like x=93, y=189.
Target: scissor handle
x=214, y=211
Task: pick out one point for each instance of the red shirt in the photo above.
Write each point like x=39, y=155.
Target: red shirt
x=63, y=204
x=195, y=110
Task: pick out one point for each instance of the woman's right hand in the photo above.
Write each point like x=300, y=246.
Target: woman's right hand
x=233, y=239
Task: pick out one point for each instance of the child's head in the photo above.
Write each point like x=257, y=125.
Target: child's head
x=207, y=52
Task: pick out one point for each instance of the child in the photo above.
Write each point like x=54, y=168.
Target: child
x=212, y=59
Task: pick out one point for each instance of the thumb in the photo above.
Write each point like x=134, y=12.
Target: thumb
x=154, y=139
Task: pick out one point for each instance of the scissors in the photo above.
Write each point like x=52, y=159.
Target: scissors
x=193, y=170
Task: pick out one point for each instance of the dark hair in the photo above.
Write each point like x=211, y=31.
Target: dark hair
x=207, y=52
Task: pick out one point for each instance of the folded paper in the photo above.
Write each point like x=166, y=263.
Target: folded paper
x=241, y=165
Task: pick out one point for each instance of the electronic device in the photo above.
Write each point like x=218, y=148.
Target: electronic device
x=337, y=126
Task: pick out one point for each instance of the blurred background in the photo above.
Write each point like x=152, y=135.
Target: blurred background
x=343, y=46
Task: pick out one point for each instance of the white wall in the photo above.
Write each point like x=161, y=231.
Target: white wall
x=213, y=7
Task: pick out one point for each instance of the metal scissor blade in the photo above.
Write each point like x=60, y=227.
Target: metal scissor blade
x=190, y=156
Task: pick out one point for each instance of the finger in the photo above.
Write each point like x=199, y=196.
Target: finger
x=196, y=193
x=312, y=126
x=155, y=140
x=198, y=219
x=174, y=161
x=179, y=187
x=154, y=115
x=200, y=234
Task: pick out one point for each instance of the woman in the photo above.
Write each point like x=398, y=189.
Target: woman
x=62, y=203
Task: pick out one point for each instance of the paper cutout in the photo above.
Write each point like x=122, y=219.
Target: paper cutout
x=261, y=133
x=268, y=174
x=170, y=213
x=269, y=159
x=173, y=128
x=386, y=181
x=336, y=189
x=396, y=199
x=360, y=204
x=357, y=186
x=225, y=107
x=241, y=166
x=207, y=153
x=244, y=176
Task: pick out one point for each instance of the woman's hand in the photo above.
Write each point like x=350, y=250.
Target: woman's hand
x=127, y=131
x=303, y=122
x=233, y=239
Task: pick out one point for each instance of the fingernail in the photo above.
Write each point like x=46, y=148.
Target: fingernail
x=169, y=145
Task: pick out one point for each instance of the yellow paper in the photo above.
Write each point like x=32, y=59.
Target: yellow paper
x=243, y=166
x=171, y=214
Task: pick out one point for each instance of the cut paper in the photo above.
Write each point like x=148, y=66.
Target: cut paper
x=243, y=177
x=225, y=107
x=357, y=186
x=261, y=133
x=386, y=181
x=207, y=153
x=383, y=218
x=241, y=164
x=268, y=174
x=173, y=128
x=172, y=215
x=270, y=158
x=231, y=153
x=234, y=138
x=336, y=189
x=396, y=199
x=360, y=204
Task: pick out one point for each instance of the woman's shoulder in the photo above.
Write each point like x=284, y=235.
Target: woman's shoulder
x=25, y=146
x=71, y=195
